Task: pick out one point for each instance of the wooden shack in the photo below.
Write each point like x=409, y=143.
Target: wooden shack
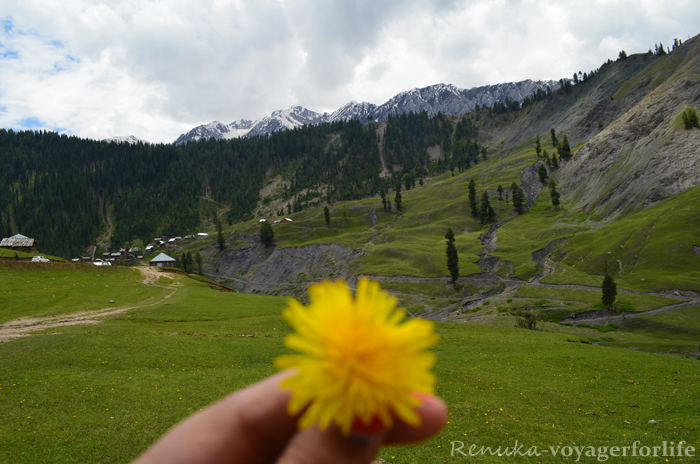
x=19, y=243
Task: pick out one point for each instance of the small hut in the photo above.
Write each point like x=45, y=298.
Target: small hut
x=19, y=243
x=162, y=260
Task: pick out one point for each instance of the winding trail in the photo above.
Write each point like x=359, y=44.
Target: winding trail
x=506, y=286
x=380, y=142
x=24, y=326
x=103, y=240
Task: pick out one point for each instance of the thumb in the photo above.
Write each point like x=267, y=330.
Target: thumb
x=313, y=446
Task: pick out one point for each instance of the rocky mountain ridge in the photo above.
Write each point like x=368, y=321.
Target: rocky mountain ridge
x=440, y=98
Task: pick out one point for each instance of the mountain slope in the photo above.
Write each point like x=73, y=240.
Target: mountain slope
x=646, y=155
x=637, y=102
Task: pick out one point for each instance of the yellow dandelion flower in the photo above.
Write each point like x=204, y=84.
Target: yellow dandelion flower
x=360, y=362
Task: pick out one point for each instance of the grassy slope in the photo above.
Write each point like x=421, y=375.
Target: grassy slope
x=48, y=289
x=413, y=244
x=105, y=392
x=588, y=298
x=5, y=253
x=650, y=250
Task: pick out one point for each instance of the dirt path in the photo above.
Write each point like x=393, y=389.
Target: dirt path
x=591, y=223
x=22, y=327
x=374, y=237
x=103, y=240
x=380, y=135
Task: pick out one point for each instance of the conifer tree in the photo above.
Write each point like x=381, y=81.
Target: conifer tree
x=564, y=148
x=486, y=211
x=555, y=162
x=553, y=133
x=397, y=198
x=538, y=149
x=553, y=192
x=189, y=263
x=266, y=233
x=198, y=258
x=452, y=256
x=472, y=198
x=500, y=193
x=518, y=197
x=542, y=173
x=327, y=216
x=382, y=193
x=609, y=289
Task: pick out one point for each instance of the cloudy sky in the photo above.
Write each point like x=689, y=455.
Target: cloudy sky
x=155, y=69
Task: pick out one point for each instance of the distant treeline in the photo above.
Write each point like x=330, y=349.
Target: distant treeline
x=64, y=191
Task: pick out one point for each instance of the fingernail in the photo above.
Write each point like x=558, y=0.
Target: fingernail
x=366, y=433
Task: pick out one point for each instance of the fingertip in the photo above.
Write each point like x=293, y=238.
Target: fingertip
x=433, y=412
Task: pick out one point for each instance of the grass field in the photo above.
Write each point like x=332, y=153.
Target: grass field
x=5, y=253
x=105, y=392
x=48, y=289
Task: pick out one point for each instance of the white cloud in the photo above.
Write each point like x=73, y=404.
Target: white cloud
x=155, y=69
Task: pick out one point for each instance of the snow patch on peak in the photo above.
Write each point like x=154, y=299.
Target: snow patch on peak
x=124, y=139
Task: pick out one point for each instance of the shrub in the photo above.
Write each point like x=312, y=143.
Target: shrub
x=527, y=320
x=556, y=316
x=502, y=309
x=486, y=303
x=600, y=328
x=619, y=306
x=690, y=118
x=509, y=300
x=540, y=303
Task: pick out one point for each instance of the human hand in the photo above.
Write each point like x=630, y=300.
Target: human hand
x=252, y=426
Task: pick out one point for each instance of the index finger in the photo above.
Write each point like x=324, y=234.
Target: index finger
x=249, y=426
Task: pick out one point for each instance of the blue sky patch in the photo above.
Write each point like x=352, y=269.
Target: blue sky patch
x=30, y=123
x=7, y=24
x=8, y=54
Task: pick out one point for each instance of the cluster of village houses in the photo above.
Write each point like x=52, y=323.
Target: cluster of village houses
x=126, y=256
x=20, y=243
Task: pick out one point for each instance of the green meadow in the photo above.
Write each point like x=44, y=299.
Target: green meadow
x=47, y=289
x=104, y=392
x=651, y=250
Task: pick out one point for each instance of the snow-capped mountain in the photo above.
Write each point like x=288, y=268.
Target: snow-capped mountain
x=353, y=110
x=450, y=100
x=217, y=130
x=442, y=98
x=296, y=116
x=124, y=138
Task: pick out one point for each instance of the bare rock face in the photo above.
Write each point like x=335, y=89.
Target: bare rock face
x=282, y=271
x=645, y=155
